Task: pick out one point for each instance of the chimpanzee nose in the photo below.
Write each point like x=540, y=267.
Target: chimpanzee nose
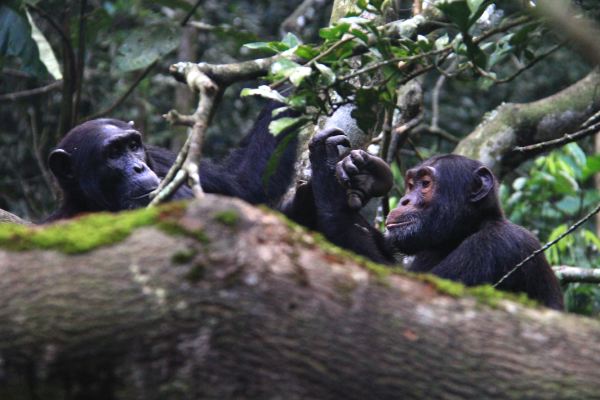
x=404, y=201
x=139, y=168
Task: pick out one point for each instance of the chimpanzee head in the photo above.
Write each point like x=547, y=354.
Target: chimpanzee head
x=447, y=198
x=102, y=165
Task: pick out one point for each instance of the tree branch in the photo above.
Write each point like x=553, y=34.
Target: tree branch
x=568, y=274
x=31, y=92
x=125, y=95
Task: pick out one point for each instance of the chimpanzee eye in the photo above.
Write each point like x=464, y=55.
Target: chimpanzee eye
x=134, y=145
x=425, y=183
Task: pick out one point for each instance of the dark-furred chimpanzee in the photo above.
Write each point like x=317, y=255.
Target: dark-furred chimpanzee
x=103, y=165
x=450, y=219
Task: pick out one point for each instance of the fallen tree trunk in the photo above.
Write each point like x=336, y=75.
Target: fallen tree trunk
x=220, y=300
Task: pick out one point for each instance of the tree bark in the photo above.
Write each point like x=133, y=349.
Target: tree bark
x=5, y=216
x=221, y=300
x=511, y=125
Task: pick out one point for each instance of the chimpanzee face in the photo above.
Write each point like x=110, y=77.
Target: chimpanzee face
x=407, y=223
x=446, y=199
x=102, y=165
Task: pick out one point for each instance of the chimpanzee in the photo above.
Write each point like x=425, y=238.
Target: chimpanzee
x=103, y=165
x=450, y=219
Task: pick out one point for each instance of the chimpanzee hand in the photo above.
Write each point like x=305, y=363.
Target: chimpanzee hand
x=329, y=195
x=364, y=176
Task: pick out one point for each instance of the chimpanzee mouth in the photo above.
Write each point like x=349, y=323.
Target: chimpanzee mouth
x=143, y=195
x=399, y=224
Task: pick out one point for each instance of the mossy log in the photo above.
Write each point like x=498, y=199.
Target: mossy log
x=216, y=299
x=512, y=124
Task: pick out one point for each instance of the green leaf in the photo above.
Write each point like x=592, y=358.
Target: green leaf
x=263, y=91
x=291, y=40
x=258, y=46
x=306, y=52
x=275, y=159
x=327, y=74
x=477, y=8
x=46, y=54
x=474, y=5
x=458, y=12
x=577, y=153
x=297, y=75
x=334, y=33
x=565, y=183
x=283, y=67
x=569, y=205
x=592, y=166
x=591, y=239
x=360, y=35
x=281, y=124
x=145, y=45
x=519, y=183
x=16, y=41
x=442, y=42
x=364, y=114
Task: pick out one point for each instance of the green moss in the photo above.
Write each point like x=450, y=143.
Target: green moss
x=168, y=221
x=484, y=294
x=228, y=217
x=184, y=256
x=77, y=235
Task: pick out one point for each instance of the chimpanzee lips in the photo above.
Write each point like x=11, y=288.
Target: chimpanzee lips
x=143, y=195
x=390, y=225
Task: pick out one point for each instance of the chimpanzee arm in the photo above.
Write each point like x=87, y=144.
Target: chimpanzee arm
x=339, y=222
x=243, y=173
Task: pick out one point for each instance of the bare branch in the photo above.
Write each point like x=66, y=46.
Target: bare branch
x=566, y=138
x=567, y=274
x=186, y=167
x=31, y=92
x=124, y=96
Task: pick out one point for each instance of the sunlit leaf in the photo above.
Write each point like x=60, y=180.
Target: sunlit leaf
x=263, y=91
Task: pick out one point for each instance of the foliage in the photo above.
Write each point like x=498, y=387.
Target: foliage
x=558, y=182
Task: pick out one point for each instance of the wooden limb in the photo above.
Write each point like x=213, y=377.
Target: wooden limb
x=124, y=96
x=566, y=274
x=24, y=94
x=186, y=166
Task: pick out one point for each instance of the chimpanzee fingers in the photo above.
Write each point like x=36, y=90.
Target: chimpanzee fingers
x=355, y=199
x=359, y=157
x=331, y=147
x=322, y=136
x=341, y=174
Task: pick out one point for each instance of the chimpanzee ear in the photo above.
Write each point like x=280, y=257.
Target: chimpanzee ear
x=59, y=162
x=484, y=183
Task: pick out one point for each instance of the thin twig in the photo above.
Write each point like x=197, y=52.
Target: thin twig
x=189, y=14
x=567, y=138
x=521, y=70
x=31, y=92
x=548, y=245
x=124, y=96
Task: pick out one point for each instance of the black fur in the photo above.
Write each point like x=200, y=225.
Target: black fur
x=455, y=230
x=92, y=180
